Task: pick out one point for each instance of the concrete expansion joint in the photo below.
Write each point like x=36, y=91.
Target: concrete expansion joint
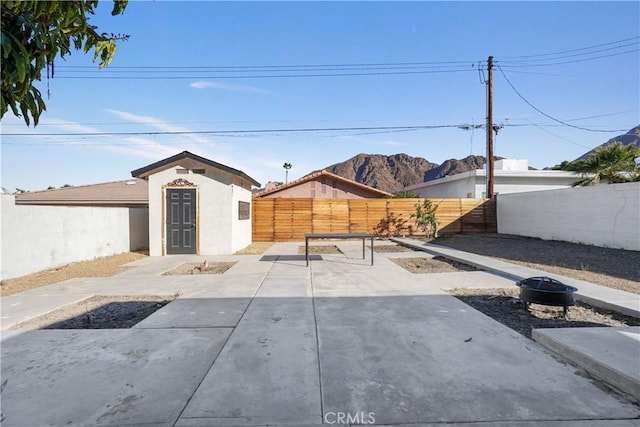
x=315, y=325
x=186, y=404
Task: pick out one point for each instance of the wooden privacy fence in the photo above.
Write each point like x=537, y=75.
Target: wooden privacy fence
x=285, y=220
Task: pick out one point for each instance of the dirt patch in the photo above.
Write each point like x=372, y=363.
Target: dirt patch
x=100, y=267
x=256, y=248
x=436, y=264
x=390, y=248
x=504, y=306
x=615, y=268
x=99, y=312
x=200, y=268
x=321, y=250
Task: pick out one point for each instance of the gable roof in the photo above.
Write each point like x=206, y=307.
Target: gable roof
x=166, y=163
x=321, y=173
x=132, y=192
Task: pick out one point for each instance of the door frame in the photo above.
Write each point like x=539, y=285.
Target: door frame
x=179, y=184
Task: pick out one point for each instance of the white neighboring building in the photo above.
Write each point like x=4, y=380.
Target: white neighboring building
x=510, y=176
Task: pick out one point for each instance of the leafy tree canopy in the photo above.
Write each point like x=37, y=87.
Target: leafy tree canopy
x=405, y=194
x=611, y=163
x=34, y=34
x=561, y=166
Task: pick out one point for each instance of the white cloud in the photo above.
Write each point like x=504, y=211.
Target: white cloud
x=163, y=126
x=142, y=147
x=226, y=86
x=130, y=145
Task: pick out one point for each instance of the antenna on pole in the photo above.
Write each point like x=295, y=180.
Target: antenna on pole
x=489, y=128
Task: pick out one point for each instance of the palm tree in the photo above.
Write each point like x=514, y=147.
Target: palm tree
x=286, y=167
x=611, y=163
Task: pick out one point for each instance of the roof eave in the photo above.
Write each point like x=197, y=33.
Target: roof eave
x=144, y=172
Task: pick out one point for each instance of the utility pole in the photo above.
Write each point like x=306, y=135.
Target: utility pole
x=490, y=164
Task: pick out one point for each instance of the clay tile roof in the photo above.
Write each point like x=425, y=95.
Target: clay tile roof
x=132, y=192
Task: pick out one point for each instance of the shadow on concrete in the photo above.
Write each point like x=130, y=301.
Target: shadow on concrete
x=292, y=360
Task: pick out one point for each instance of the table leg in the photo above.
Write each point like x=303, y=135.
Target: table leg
x=363, y=251
x=306, y=250
x=371, y=250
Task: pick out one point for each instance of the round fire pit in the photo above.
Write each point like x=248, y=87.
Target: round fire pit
x=546, y=291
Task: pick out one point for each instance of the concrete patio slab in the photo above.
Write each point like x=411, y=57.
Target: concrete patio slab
x=398, y=353
x=280, y=343
x=197, y=313
x=609, y=354
x=550, y=423
x=104, y=377
x=431, y=358
x=268, y=371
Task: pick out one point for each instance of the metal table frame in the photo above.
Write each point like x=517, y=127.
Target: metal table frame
x=319, y=236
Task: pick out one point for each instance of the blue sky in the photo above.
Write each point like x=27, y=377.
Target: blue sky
x=543, y=48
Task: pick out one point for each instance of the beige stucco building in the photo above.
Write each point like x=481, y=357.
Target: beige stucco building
x=323, y=185
x=197, y=206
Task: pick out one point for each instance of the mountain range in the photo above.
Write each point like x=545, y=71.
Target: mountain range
x=394, y=172
x=631, y=137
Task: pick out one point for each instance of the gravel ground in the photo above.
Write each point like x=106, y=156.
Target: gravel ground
x=615, y=268
x=100, y=267
x=200, y=268
x=99, y=312
x=256, y=248
x=504, y=306
x=436, y=264
x=390, y=248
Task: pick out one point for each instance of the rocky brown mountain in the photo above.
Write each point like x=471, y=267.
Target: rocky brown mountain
x=631, y=137
x=393, y=173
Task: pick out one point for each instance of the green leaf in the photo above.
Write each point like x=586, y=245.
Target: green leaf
x=34, y=33
x=119, y=6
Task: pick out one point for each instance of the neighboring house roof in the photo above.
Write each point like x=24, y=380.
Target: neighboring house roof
x=170, y=161
x=132, y=193
x=523, y=175
x=319, y=174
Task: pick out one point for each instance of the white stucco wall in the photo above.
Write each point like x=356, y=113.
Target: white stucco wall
x=218, y=192
x=451, y=188
x=602, y=215
x=36, y=238
x=242, y=231
x=138, y=228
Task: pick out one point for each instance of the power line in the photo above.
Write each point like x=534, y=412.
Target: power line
x=242, y=131
x=263, y=71
x=151, y=123
x=576, y=50
x=159, y=73
x=561, y=137
x=150, y=72
x=258, y=76
x=549, y=116
x=526, y=61
x=241, y=67
x=575, y=61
